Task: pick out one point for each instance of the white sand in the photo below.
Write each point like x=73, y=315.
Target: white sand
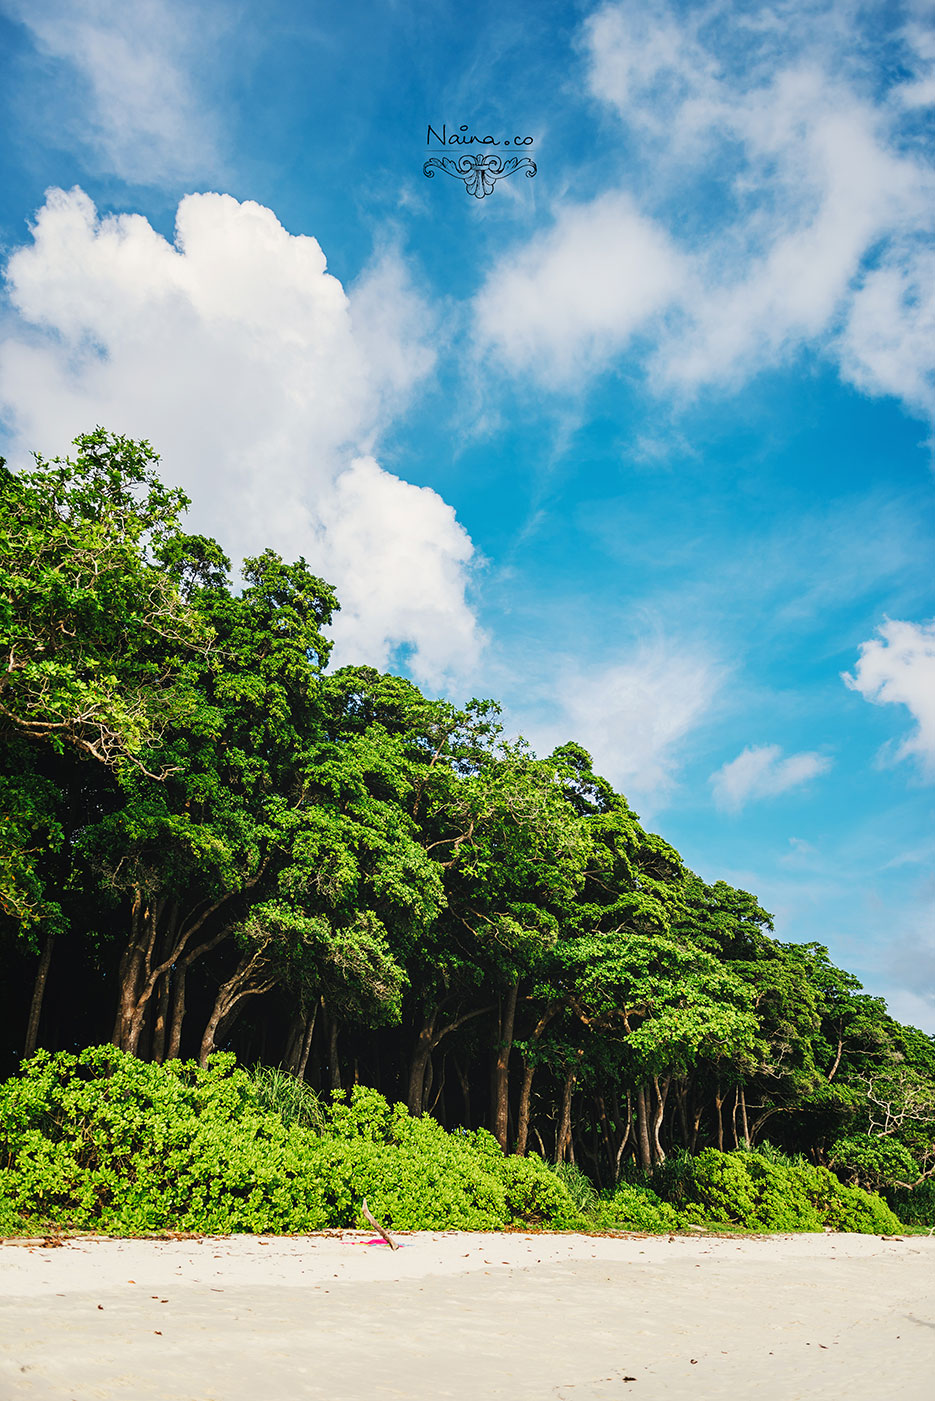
x=470, y=1317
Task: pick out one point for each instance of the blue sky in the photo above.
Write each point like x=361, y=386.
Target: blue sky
x=641, y=446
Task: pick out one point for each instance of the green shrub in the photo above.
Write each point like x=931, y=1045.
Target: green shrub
x=577, y=1184
x=873, y=1163
x=635, y=1208
x=915, y=1206
x=101, y=1141
x=767, y=1193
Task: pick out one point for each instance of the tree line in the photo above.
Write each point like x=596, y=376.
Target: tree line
x=210, y=840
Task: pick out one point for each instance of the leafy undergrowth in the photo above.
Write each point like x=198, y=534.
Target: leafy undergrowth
x=103, y=1142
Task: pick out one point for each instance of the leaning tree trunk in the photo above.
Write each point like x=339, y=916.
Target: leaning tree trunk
x=502, y=1070
x=252, y=976
x=139, y=974
x=429, y=1037
x=179, y=976
x=38, y=993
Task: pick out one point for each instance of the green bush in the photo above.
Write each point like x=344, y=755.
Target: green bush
x=636, y=1208
x=873, y=1163
x=101, y=1141
x=915, y=1206
x=767, y=1193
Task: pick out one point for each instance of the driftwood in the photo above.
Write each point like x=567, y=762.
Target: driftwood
x=377, y=1227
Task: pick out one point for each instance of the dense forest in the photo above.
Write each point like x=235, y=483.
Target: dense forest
x=209, y=841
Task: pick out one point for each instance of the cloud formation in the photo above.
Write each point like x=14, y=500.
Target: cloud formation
x=634, y=716
x=776, y=201
x=760, y=771
x=137, y=107
x=577, y=293
x=262, y=384
x=897, y=667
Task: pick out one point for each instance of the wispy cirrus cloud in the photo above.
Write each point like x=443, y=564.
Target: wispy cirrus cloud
x=761, y=771
x=127, y=83
x=636, y=715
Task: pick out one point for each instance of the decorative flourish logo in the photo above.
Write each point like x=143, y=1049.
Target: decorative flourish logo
x=479, y=172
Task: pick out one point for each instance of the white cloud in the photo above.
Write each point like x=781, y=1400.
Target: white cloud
x=775, y=203
x=260, y=381
x=401, y=556
x=760, y=771
x=138, y=109
x=634, y=717
x=898, y=668
x=577, y=293
x=886, y=345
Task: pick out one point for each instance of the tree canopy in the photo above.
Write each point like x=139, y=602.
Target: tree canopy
x=210, y=840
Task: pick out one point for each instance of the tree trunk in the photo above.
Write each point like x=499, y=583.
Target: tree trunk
x=733, y=1117
x=525, y=1100
x=658, y=1113
x=642, y=1129
x=160, y=1025
x=743, y=1118
x=624, y=1137
x=306, y=1043
x=138, y=977
x=681, y=1097
x=525, y=1094
x=250, y=978
x=331, y=1042
x=563, y=1140
x=428, y=1039
x=38, y=993
x=606, y=1136
x=179, y=975
x=418, y=1064
x=718, y=1101
x=502, y=1069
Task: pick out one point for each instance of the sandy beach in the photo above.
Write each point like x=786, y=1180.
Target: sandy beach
x=462, y=1316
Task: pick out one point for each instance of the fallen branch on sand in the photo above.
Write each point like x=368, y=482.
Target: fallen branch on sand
x=377, y=1227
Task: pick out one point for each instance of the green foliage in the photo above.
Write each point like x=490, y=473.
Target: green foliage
x=100, y=1141
x=638, y=1208
x=278, y=1092
x=915, y=1207
x=578, y=1186
x=766, y=1193
x=874, y=1163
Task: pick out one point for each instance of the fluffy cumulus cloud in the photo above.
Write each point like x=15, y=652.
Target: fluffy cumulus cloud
x=133, y=81
x=897, y=667
x=262, y=383
x=761, y=771
x=636, y=715
x=808, y=220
